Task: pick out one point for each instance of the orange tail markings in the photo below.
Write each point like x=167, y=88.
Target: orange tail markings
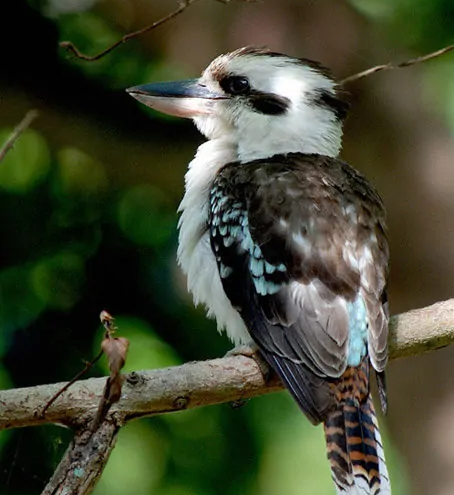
x=354, y=447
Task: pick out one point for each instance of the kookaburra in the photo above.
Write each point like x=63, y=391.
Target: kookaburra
x=285, y=244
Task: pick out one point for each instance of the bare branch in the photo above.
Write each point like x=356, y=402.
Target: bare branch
x=422, y=330
x=68, y=45
x=68, y=384
x=390, y=66
x=191, y=385
x=30, y=116
x=145, y=393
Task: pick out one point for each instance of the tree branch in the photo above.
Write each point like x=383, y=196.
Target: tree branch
x=68, y=45
x=422, y=330
x=190, y=385
x=390, y=66
x=84, y=461
x=196, y=384
x=30, y=116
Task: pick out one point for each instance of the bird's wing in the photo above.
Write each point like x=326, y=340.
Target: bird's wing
x=302, y=255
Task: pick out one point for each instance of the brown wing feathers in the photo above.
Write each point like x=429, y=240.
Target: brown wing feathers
x=306, y=240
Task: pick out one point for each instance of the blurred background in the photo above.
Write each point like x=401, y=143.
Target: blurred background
x=88, y=200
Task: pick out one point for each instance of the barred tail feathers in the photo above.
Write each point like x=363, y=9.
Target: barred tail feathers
x=355, y=451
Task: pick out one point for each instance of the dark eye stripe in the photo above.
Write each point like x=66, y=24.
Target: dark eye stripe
x=331, y=102
x=268, y=103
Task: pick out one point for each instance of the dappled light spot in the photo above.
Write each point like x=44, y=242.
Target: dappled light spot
x=79, y=172
x=194, y=427
x=137, y=464
x=19, y=303
x=146, y=216
x=26, y=164
x=58, y=280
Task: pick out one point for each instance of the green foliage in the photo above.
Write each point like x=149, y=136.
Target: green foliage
x=57, y=280
x=138, y=461
x=27, y=166
x=93, y=34
x=20, y=303
x=421, y=27
x=412, y=24
x=78, y=174
x=145, y=216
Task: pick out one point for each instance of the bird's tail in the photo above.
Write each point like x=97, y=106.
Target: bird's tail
x=355, y=450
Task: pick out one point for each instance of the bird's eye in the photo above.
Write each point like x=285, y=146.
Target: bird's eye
x=235, y=85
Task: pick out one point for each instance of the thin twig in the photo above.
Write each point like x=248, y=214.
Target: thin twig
x=108, y=323
x=30, y=116
x=390, y=66
x=69, y=384
x=68, y=45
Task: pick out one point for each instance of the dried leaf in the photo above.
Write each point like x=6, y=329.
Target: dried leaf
x=116, y=350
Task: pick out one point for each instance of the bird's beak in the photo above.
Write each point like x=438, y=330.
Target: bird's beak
x=188, y=98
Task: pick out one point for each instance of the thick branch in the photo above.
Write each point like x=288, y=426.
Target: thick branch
x=144, y=393
x=422, y=330
x=203, y=383
x=84, y=461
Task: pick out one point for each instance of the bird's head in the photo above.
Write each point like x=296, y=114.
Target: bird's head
x=261, y=102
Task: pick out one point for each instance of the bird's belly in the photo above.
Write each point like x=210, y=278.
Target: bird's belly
x=205, y=284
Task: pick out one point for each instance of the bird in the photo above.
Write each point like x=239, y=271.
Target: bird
x=285, y=244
